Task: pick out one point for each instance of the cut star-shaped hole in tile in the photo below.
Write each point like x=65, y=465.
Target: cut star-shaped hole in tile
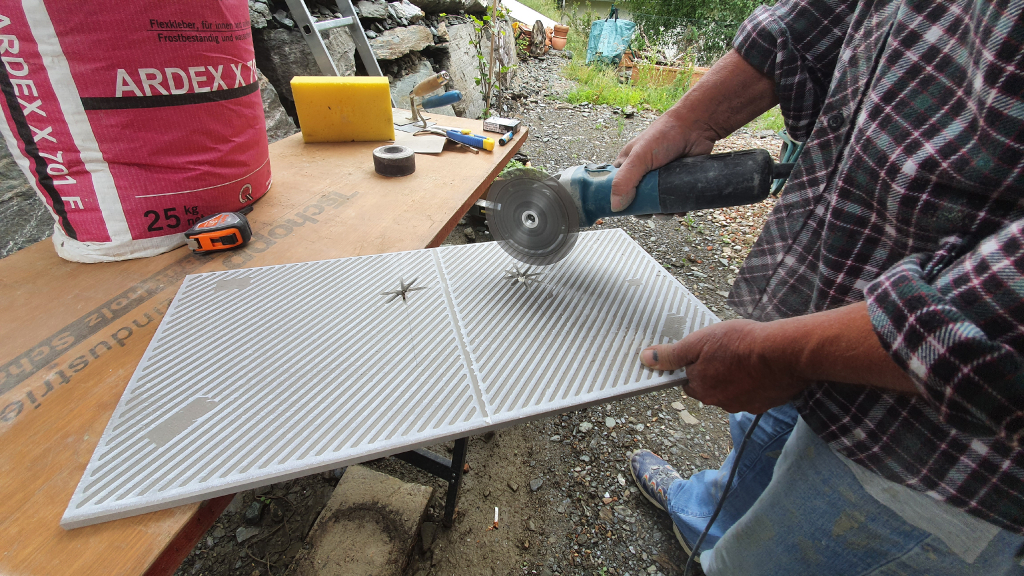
x=403, y=290
x=518, y=276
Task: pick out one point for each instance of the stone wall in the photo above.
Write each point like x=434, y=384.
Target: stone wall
x=409, y=38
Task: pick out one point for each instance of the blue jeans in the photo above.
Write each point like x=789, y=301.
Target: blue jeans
x=815, y=517
x=691, y=502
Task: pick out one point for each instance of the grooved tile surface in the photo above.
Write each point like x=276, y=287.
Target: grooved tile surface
x=264, y=374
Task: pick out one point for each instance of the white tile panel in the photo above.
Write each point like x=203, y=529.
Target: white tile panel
x=264, y=374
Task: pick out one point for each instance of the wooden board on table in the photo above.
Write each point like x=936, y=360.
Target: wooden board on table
x=72, y=334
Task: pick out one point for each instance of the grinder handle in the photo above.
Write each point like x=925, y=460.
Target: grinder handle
x=714, y=181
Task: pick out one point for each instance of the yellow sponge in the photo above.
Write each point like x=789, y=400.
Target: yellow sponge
x=343, y=108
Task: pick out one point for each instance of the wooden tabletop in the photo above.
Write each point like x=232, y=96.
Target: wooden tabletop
x=72, y=334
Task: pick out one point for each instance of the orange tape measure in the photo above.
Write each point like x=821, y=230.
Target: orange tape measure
x=222, y=231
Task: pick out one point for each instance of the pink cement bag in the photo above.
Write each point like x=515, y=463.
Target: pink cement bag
x=133, y=120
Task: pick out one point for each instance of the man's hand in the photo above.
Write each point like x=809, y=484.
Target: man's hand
x=742, y=365
x=731, y=94
x=668, y=138
x=727, y=367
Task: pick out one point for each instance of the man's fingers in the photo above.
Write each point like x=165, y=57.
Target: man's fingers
x=623, y=154
x=624, y=185
x=671, y=356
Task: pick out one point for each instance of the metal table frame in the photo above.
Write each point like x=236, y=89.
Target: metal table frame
x=445, y=469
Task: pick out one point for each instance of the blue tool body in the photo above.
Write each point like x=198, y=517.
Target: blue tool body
x=683, y=185
x=450, y=97
x=594, y=189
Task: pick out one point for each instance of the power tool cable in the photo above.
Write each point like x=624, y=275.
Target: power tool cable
x=725, y=494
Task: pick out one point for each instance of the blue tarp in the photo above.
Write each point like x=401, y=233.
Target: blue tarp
x=609, y=38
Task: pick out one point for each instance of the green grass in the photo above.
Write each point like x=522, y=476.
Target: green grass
x=599, y=84
x=770, y=120
x=545, y=7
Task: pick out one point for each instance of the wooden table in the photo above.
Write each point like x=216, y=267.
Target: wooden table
x=72, y=334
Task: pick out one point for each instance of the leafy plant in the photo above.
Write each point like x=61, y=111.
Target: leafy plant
x=494, y=76
x=512, y=165
x=704, y=28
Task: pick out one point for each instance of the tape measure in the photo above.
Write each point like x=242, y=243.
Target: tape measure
x=222, y=231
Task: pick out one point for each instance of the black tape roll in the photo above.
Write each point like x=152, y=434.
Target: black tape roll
x=394, y=160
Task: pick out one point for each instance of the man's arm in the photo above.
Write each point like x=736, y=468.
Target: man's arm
x=742, y=365
x=731, y=94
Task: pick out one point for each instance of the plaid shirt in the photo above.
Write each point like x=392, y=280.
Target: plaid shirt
x=910, y=194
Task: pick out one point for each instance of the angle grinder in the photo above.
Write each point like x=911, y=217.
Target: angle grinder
x=536, y=218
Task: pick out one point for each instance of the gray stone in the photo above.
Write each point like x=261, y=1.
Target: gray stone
x=398, y=42
x=442, y=32
x=253, y=513
x=401, y=87
x=688, y=418
x=237, y=504
x=375, y=9
x=26, y=219
x=513, y=486
x=452, y=6
x=678, y=406
x=279, y=124
x=218, y=532
x=461, y=64
x=609, y=422
x=368, y=527
x=283, y=54
x=370, y=34
x=259, y=14
x=405, y=11
x=245, y=532
x=281, y=17
x=428, y=531
x=536, y=483
x=586, y=426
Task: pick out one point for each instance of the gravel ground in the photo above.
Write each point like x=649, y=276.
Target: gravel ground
x=566, y=500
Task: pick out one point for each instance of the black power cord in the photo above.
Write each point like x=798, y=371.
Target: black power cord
x=725, y=493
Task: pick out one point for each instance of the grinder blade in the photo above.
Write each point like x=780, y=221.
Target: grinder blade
x=532, y=216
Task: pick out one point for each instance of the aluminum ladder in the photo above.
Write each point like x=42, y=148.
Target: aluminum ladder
x=311, y=32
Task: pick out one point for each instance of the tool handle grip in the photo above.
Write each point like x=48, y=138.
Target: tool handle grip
x=714, y=181
x=450, y=97
x=471, y=140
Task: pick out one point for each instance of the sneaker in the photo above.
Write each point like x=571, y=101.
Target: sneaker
x=653, y=476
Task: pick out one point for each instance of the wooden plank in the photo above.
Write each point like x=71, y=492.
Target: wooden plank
x=72, y=334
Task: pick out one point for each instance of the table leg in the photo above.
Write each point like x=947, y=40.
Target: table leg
x=445, y=469
x=458, y=463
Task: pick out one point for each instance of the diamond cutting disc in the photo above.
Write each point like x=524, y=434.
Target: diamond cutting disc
x=532, y=216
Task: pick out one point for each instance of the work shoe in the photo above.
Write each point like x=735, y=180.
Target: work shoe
x=653, y=476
